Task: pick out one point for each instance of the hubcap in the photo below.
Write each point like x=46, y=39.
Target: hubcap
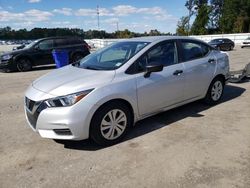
x=217, y=90
x=24, y=65
x=113, y=124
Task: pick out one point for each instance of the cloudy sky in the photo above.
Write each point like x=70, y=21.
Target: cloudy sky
x=135, y=15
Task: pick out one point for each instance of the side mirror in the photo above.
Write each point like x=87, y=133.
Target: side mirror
x=36, y=47
x=152, y=68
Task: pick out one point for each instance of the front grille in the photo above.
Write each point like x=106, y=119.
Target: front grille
x=33, y=110
x=29, y=103
x=246, y=42
x=32, y=118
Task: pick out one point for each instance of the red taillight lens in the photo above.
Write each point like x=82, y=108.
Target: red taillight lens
x=87, y=46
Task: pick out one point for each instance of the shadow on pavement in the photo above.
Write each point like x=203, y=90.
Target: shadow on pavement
x=160, y=120
x=44, y=68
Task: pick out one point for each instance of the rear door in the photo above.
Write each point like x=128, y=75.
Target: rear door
x=200, y=65
x=163, y=88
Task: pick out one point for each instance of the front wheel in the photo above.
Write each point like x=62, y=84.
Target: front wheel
x=110, y=123
x=24, y=65
x=215, y=91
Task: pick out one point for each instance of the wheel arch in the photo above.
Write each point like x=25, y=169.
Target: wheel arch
x=120, y=100
x=221, y=76
x=18, y=57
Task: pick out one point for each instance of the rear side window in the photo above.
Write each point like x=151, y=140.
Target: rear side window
x=46, y=45
x=61, y=42
x=193, y=50
x=74, y=41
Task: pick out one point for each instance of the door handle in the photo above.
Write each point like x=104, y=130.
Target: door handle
x=178, y=72
x=211, y=61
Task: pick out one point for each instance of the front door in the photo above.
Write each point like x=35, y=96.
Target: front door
x=43, y=52
x=161, y=89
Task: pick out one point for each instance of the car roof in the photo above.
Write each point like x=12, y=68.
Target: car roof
x=161, y=38
x=221, y=39
x=60, y=37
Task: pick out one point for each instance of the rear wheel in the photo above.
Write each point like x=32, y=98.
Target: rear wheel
x=215, y=91
x=77, y=57
x=110, y=123
x=24, y=65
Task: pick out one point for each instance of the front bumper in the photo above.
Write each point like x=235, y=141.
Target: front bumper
x=7, y=65
x=245, y=44
x=66, y=123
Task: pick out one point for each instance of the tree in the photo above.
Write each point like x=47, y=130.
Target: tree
x=154, y=32
x=235, y=16
x=183, y=26
x=215, y=13
x=191, y=5
x=200, y=24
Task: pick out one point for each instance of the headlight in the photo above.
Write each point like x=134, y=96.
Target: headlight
x=6, y=57
x=67, y=100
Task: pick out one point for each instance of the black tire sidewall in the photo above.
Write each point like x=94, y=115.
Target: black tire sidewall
x=95, y=131
x=76, y=56
x=208, y=99
x=19, y=62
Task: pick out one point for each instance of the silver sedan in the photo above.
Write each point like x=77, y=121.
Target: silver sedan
x=105, y=93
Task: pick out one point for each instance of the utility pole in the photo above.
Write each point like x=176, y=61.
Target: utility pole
x=189, y=14
x=117, y=26
x=98, y=19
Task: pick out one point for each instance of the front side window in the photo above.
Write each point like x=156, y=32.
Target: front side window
x=45, y=45
x=193, y=50
x=112, y=57
x=162, y=54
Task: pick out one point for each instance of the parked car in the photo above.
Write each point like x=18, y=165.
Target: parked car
x=109, y=90
x=18, y=47
x=246, y=43
x=222, y=44
x=39, y=52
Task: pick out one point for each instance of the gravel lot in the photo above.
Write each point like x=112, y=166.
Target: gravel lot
x=191, y=146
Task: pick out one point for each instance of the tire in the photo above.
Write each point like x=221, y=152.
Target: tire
x=215, y=91
x=227, y=48
x=231, y=48
x=24, y=65
x=105, y=132
x=76, y=57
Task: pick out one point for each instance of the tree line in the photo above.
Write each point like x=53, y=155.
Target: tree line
x=7, y=33
x=215, y=17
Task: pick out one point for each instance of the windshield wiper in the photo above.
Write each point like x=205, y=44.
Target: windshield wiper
x=91, y=68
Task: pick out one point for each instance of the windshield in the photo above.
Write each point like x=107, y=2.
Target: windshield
x=31, y=44
x=215, y=40
x=111, y=57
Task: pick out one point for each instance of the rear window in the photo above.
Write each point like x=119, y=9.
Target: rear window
x=76, y=41
x=61, y=42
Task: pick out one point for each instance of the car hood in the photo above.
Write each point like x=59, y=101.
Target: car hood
x=70, y=79
x=15, y=52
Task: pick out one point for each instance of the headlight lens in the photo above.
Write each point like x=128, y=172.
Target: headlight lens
x=6, y=57
x=67, y=100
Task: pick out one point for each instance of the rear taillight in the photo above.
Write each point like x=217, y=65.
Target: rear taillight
x=87, y=46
